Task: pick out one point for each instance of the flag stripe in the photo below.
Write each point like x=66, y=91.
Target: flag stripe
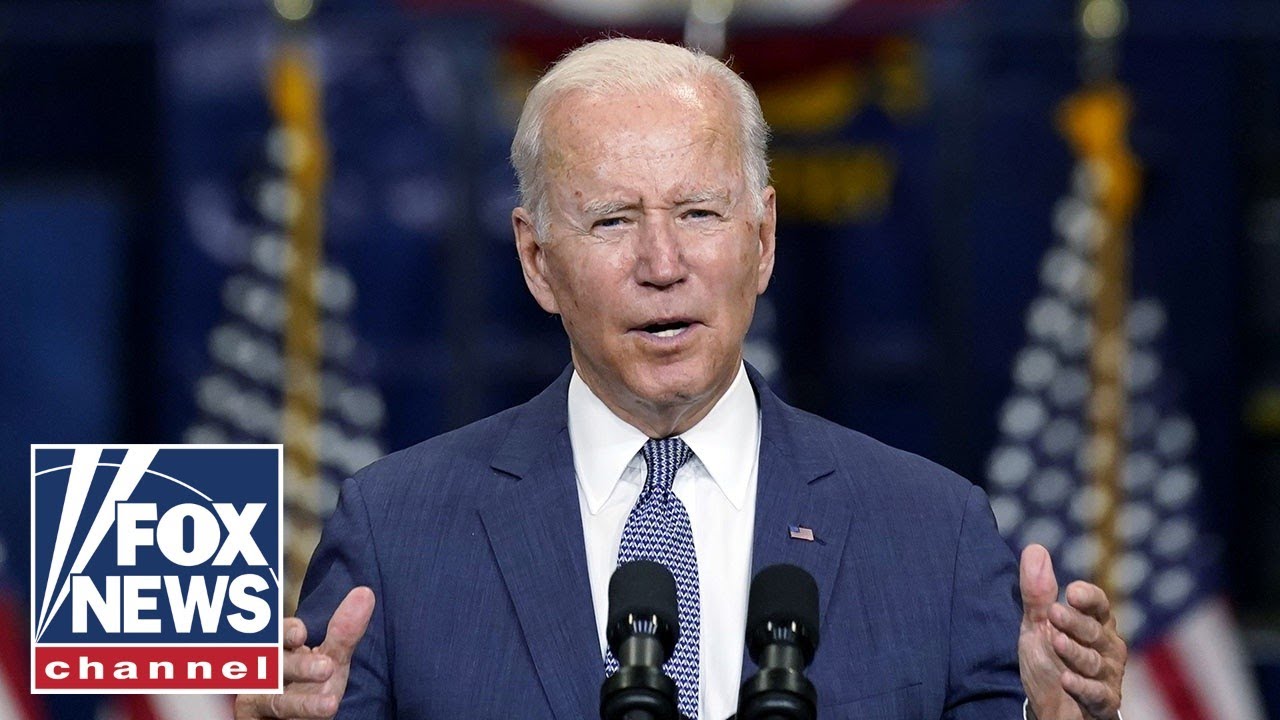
x=138, y=707
x=1142, y=697
x=1170, y=675
x=9, y=702
x=1220, y=668
x=185, y=707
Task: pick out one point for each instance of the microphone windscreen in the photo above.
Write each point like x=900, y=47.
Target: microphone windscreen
x=783, y=594
x=643, y=587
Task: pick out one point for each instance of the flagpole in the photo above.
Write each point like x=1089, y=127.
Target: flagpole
x=1095, y=122
x=296, y=102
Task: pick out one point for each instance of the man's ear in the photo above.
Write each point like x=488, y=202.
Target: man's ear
x=768, y=238
x=533, y=260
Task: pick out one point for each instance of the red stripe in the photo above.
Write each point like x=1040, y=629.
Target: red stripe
x=137, y=707
x=14, y=659
x=1169, y=675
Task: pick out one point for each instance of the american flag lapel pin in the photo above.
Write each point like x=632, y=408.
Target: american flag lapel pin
x=800, y=532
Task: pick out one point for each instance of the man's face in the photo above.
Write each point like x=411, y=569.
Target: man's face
x=655, y=254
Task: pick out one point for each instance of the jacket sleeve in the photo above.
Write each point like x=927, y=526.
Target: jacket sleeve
x=986, y=613
x=346, y=558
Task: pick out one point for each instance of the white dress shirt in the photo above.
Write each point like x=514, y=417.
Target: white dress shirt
x=718, y=488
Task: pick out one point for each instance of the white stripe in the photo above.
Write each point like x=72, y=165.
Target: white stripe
x=84, y=462
x=1216, y=664
x=8, y=701
x=1142, y=697
x=186, y=707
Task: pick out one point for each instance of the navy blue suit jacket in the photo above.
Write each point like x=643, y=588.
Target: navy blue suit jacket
x=472, y=542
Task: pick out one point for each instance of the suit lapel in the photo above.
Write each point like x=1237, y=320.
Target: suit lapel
x=535, y=530
x=797, y=486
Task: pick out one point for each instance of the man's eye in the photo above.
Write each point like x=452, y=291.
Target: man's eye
x=609, y=222
x=700, y=214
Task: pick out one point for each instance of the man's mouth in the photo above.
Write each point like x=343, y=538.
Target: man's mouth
x=667, y=329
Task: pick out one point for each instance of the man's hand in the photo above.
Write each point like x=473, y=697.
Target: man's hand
x=314, y=678
x=1070, y=655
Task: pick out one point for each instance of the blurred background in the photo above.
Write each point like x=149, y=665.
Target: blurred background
x=1036, y=241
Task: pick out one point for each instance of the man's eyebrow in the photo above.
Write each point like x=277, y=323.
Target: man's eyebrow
x=606, y=207
x=598, y=208
x=702, y=196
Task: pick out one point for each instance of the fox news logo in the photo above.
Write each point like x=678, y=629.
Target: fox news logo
x=156, y=568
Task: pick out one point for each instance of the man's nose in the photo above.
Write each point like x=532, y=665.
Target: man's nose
x=660, y=255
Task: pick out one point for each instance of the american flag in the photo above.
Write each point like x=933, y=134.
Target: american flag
x=800, y=532
x=282, y=357
x=1186, y=659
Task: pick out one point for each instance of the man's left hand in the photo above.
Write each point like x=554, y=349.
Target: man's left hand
x=1070, y=654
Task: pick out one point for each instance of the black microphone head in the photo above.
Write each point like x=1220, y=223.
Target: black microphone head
x=782, y=596
x=643, y=588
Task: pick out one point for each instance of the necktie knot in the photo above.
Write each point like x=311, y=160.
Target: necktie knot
x=664, y=459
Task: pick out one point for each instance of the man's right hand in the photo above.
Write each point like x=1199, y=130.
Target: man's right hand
x=314, y=678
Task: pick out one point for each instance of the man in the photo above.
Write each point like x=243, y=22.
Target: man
x=480, y=558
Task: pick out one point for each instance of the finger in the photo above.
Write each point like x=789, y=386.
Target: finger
x=308, y=705
x=245, y=709
x=1038, y=585
x=290, y=704
x=295, y=633
x=1085, y=661
x=1082, y=628
x=348, y=624
x=1098, y=698
x=305, y=666
x=1090, y=600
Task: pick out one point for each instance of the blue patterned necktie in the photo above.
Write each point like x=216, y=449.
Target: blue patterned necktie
x=658, y=529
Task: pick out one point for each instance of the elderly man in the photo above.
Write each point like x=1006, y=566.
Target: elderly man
x=647, y=224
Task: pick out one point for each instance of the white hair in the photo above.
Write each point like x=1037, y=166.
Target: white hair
x=625, y=65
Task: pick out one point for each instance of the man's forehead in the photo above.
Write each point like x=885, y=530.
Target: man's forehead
x=593, y=184
x=581, y=116
x=605, y=152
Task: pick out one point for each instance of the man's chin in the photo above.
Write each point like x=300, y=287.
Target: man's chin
x=669, y=388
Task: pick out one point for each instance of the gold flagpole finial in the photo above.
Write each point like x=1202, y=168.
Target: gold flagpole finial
x=293, y=10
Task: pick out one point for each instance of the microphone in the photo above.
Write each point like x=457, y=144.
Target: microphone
x=642, y=631
x=782, y=635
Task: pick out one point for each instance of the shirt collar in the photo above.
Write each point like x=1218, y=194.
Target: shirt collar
x=726, y=441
